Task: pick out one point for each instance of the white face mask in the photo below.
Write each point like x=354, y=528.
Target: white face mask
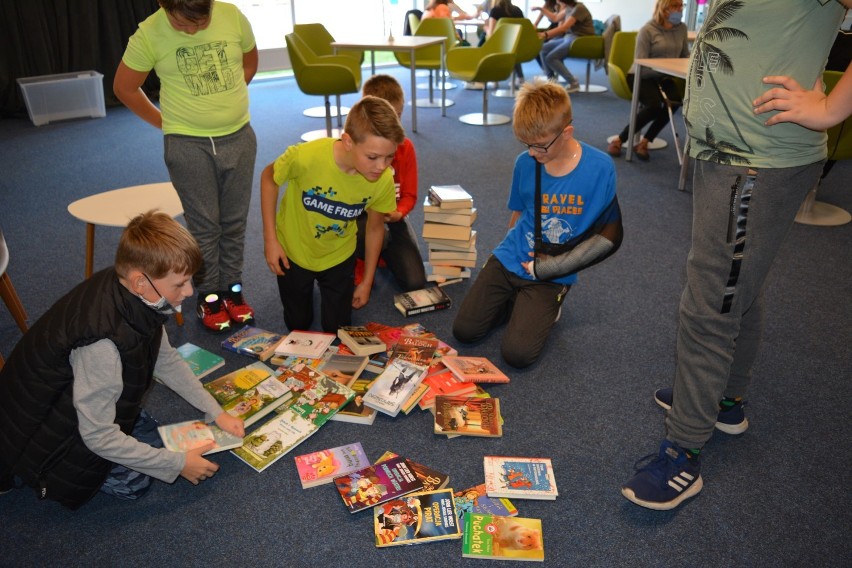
x=161, y=306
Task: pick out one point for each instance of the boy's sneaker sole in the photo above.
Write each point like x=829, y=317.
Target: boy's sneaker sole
x=691, y=491
x=733, y=422
x=664, y=481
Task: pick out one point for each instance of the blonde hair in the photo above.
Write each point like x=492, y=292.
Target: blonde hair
x=156, y=244
x=660, y=10
x=385, y=87
x=542, y=108
x=373, y=116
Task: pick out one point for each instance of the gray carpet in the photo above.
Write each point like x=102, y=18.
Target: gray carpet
x=776, y=496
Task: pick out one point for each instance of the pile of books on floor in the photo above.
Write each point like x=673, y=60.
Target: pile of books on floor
x=448, y=216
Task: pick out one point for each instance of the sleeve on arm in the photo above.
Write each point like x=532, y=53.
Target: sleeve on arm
x=407, y=176
x=176, y=374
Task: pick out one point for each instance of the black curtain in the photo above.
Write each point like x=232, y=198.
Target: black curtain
x=43, y=37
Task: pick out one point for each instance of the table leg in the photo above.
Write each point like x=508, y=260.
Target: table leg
x=634, y=106
x=90, y=248
x=414, y=90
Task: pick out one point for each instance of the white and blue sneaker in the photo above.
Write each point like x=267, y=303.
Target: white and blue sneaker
x=666, y=481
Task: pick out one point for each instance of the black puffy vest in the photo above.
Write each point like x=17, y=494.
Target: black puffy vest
x=39, y=436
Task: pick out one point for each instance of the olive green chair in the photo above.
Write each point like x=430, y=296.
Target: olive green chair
x=318, y=38
x=590, y=48
x=493, y=62
x=529, y=45
x=813, y=212
x=323, y=75
x=429, y=58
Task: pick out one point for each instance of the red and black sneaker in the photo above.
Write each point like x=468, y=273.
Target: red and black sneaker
x=238, y=310
x=211, y=314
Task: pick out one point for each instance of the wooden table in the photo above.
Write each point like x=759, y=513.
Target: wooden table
x=676, y=67
x=403, y=43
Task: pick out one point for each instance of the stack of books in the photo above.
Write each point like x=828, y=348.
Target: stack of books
x=448, y=216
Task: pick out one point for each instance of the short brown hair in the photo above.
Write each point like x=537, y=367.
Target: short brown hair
x=372, y=115
x=384, y=87
x=541, y=108
x=192, y=10
x=156, y=244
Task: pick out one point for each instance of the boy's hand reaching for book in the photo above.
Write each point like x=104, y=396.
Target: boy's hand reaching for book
x=198, y=468
x=231, y=424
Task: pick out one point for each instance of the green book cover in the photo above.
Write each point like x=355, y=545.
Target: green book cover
x=502, y=538
x=201, y=361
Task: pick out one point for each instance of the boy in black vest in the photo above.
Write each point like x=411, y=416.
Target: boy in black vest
x=71, y=421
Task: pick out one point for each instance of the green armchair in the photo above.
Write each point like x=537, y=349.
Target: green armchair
x=529, y=45
x=430, y=57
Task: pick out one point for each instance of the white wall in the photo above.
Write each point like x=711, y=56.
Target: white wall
x=634, y=13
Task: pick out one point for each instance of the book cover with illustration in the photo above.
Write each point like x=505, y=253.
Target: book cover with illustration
x=443, y=383
x=201, y=361
x=476, y=500
x=502, y=538
x=191, y=434
x=343, y=368
x=305, y=344
x=474, y=369
x=322, y=466
x=468, y=416
x=249, y=393
x=394, y=386
x=356, y=411
x=424, y=516
x=360, y=340
x=519, y=477
x=376, y=484
x=253, y=341
x=432, y=478
x=416, y=350
x=313, y=405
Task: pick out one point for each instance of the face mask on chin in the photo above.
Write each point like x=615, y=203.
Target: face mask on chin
x=675, y=18
x=161, y=306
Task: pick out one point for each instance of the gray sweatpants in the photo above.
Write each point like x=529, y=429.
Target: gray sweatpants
x=213, y=178
x=740, y=219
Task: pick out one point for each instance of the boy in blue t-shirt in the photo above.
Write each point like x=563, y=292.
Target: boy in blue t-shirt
x=525, y=280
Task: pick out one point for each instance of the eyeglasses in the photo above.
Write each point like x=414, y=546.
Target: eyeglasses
x=543, y=149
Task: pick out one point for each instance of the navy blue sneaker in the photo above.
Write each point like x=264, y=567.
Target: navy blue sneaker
x=731, y=420
x=666, y=481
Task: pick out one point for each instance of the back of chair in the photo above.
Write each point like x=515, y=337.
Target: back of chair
x=620, y=61
x=529, y=43
x=322, y=75
x=839, y=136
x=587, y=47
x=430, y=57
x=319, y=39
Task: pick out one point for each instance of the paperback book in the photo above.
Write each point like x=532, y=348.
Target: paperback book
x=431, y=478
x=376, y=484
x=476, y=500
x=422, y=301
x=360, y=340
x=310, y=344
x=201, y=361
x=451, y=196
x=394, y=386
x=343, y=368
x=185, y=436
x=432, y=206
x=249, y=393
x=321, y=467
x=468, y=416
x=314, y=405
x=502, y=538
x=252, y=341
x=474, y=369
x=424, y=516
x=356, y=411
x=443, y=383
x=519, y=477
x=416, y=350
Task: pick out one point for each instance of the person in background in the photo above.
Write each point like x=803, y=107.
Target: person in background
x=71, y=423
x=550, y=10
x=311, y=236
x=751, y=175
x=564, y=217
x=662, y=36
x=400, y=251
x=205, y=55
x=575, y=21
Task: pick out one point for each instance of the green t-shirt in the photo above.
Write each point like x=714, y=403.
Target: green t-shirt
x=316, y=220
x=203, y=90
x=733, y=52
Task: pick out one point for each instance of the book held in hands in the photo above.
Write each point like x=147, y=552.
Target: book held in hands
x=191, y=434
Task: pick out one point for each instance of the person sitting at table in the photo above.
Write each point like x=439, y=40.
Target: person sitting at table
x=663, y=36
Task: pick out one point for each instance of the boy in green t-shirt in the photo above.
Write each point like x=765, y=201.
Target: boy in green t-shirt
x=312, y=236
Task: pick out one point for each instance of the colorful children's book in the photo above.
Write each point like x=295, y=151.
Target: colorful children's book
x=502, y=538
x=416, y=350
x=185, y=436
x=476, y=500
x=468, y=416
x=376, y=484
x=314, y=403
x=321, y=467
x=343, y=368
x=519, y=477
x=422, y=301
x=432, y=479
x=201, y=361
x=425, y=516
x=305, y=344
x=356, y=411
x=253, y=341
x=474, y=369
x=443, y=383
x=394, y=386
x=413, y=400
x=360, y=340
x=249, y=393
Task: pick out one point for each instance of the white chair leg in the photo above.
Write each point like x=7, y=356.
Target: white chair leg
x=813, y=212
